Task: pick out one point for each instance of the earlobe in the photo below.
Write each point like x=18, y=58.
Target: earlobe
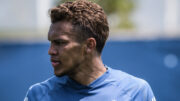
x=88, y=50
x=90, y=45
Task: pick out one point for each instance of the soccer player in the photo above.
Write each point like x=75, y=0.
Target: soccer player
x=77, y=36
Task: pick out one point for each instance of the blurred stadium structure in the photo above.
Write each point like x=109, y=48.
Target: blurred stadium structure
x=29, y=20
x=150, y=49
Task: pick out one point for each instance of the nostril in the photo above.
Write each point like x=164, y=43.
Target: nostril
x=52, y=51
x=49, y=52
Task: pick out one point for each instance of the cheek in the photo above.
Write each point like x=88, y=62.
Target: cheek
x=72, y=55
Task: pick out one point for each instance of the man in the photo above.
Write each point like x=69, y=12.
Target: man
x=78, y=34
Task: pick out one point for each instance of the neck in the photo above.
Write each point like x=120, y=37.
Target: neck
x=88, y=71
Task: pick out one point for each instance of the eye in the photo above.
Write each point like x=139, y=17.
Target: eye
x=59, y=42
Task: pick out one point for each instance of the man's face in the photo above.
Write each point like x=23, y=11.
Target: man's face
x=66, y=53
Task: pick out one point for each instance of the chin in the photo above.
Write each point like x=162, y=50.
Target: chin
x=62, y=72
x=59, y=74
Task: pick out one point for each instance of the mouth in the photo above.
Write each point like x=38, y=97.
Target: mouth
x=55, y=62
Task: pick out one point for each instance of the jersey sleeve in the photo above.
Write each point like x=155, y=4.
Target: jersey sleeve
x=145, y=93
x=29, y=95
x=34, y=93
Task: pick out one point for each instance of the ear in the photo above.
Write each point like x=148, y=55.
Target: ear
x=90, y=45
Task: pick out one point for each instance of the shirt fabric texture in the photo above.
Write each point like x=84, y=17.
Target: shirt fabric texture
x=113, y=85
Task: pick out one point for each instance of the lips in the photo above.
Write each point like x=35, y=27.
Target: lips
x=55, y=62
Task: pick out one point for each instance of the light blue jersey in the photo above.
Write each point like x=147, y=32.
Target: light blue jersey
x=113, y=85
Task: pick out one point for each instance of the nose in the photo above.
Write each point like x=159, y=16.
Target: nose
x=52, y=50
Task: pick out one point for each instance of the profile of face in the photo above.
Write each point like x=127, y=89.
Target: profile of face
x=65, y=51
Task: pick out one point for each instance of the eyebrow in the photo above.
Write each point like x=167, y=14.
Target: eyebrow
x=58, y=40
x=56, y=33
x=64, y=33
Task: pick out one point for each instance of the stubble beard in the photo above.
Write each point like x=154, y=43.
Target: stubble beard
x=68, y=70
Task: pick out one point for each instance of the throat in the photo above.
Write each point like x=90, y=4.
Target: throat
x=87, y=76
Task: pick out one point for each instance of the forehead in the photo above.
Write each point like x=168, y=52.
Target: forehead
x=59, y=29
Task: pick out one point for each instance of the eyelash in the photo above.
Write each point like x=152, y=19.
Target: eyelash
x=59, y=43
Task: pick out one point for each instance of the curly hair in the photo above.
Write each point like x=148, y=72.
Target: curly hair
x=87, y=16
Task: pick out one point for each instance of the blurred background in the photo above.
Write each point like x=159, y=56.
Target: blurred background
x=144, y=41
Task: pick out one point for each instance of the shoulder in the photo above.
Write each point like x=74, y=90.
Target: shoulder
x=123, y=78
x=134, y=87
x=38, y=90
